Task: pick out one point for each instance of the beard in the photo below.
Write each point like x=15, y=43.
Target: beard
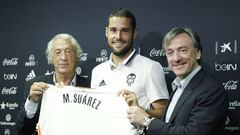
x=123, y=51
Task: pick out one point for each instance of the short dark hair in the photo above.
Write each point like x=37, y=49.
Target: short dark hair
x=179, y=30
x=123, y=13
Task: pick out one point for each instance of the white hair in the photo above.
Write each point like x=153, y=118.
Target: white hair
x=68, y=38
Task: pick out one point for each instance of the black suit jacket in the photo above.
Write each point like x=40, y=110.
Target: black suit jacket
x=27, y=126
x=200, y=110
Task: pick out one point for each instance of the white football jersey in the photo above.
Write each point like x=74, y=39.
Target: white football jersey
x=79, y=111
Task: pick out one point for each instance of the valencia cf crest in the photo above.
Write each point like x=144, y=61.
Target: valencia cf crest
x=130, y=79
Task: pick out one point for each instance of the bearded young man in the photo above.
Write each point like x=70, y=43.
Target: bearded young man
x=128, y=72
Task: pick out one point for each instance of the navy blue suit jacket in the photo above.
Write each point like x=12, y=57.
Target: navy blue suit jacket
x=200, y=110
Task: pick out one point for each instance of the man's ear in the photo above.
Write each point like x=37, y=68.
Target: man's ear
x=106, y=31
x=199, y=54
x=135, y=33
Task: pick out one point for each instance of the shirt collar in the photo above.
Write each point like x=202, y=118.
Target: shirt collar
x=183, y=83
x=73, y=83
x=113, y=66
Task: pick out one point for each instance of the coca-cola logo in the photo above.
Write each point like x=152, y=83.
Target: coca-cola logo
x=154, y=52
x=166, y=70
x=230, y=85
x=10, y=62
x=9, y=91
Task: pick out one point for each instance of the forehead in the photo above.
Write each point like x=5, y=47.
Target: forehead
x=119, y=22
x=181, y=40
x=61, y=43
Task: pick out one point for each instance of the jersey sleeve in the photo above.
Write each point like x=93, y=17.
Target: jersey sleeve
x=156, y=87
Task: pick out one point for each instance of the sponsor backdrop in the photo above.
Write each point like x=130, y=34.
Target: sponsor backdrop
x=27, y=26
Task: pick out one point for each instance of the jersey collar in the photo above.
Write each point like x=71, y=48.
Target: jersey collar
x=125, y=62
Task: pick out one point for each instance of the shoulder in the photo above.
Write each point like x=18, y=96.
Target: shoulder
x=147, y=63
x=144, y=60
x=206, y=83
x=207, y=78
x=208, y=88
x=101, y=66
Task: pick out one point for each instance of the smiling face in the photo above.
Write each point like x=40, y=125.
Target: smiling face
x=64, y=57
x=120, y=35
x=181, y=55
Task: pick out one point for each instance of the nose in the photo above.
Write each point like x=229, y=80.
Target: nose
x=63, y=55
x=118, y=35
x=176, y=56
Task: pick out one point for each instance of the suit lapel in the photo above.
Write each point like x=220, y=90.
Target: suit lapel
x=170, y=99
x=186, y=93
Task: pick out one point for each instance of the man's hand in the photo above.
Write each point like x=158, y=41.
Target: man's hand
x=36, y=91
x=136, y=115
x=129, y=96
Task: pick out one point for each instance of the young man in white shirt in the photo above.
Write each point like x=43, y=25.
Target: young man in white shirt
x=128, y=72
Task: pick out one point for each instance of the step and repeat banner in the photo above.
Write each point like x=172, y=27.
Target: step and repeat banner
x=27, y=26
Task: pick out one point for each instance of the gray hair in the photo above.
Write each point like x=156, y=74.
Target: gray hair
x=70, y=39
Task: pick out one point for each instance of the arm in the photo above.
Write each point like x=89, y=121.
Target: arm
x=156, y=90
x=158, y=108
x=26, y=124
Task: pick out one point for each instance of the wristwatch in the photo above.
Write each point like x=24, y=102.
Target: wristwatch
x=147, y=121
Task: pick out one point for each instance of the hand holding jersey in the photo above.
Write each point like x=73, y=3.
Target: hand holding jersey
x=36, y=91
x=129, y=96
x=38, y=88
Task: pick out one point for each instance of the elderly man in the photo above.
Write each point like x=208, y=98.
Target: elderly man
x=63, y=52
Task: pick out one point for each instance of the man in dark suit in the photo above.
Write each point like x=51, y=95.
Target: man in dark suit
x=63, y=52
x=198, y=103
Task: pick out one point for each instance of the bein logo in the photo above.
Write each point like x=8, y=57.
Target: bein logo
x=10, y=76
x=225, y=67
